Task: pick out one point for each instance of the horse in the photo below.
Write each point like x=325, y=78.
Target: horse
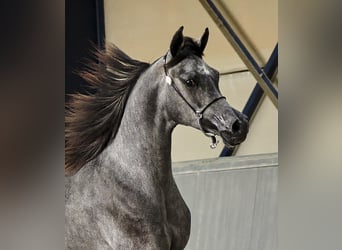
x=119, y=190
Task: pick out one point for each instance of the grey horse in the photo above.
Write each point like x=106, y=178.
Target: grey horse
x=120, y=192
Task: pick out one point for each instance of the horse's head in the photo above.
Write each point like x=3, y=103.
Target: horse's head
x=194, y=98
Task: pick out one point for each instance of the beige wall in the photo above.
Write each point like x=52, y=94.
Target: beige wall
x=143, y=29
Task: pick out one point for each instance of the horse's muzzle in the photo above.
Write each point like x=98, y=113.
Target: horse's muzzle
x=234, y=128
x=231, y=125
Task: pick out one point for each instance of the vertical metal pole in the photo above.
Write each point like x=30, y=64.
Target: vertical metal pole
x=241, y=50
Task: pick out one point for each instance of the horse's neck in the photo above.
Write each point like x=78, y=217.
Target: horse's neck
x=143, y=141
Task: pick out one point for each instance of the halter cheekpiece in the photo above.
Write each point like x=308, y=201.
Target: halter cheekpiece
x=198, y=112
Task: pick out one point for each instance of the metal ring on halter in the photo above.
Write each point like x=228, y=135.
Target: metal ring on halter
x=214, y=141
x=199, y=115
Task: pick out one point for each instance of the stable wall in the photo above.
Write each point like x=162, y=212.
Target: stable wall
x=233, y=202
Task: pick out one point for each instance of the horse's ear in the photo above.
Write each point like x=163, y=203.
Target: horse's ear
x=204, y=39
x=177, y=41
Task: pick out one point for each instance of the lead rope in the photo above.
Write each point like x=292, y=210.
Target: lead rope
x=198, y=113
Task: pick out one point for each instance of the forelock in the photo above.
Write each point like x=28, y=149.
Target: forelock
x=188, y=48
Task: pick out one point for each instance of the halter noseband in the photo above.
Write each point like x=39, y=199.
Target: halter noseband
x=198, y=113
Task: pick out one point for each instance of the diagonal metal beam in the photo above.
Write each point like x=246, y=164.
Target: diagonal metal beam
x=256, y=95
x=242, y=51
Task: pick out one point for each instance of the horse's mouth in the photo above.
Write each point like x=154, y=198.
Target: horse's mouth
x=229, y=139
x=231, y=142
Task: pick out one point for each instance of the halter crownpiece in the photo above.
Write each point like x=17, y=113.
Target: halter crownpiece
x=198, y=113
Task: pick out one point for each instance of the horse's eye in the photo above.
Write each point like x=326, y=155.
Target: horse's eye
x=190, y=83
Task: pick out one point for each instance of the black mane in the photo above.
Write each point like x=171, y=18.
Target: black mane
x=92, y=120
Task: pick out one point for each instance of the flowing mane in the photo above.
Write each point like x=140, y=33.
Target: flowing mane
x=92, y=120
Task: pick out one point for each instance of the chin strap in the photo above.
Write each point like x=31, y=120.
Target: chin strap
x=198, y=113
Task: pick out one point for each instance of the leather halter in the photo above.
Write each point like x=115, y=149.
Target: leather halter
x=198, y=112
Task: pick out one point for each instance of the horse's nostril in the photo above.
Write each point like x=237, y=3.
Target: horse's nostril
x=236, y=127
